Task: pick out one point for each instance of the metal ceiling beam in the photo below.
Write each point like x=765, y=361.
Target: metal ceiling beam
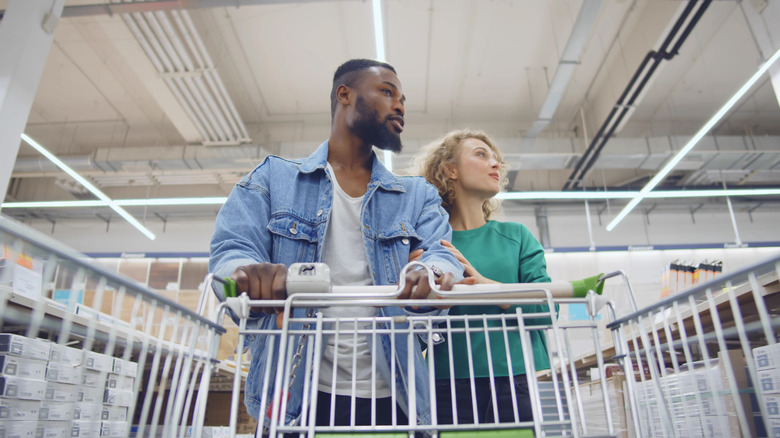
x=570, y=59
x=635, y=88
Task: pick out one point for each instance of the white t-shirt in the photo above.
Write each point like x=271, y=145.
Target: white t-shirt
x=345, y=255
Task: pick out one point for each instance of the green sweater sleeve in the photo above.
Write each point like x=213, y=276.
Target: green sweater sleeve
x=532, y=269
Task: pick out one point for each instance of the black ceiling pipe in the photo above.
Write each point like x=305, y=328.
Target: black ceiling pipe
x=625, y=101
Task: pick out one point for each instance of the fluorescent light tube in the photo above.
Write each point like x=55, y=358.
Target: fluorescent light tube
x=95, y=191
x=217, y=200
x=693, y=141
x=521, y=196
x=517, y=196
x=379, y=33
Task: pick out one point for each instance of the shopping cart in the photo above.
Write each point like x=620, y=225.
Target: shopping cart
x=295, y=346
x=85, y=352
x=705, y=362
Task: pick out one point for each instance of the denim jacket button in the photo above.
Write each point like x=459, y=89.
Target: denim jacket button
x=293, y=231
x=405, y=241
x=319, y=212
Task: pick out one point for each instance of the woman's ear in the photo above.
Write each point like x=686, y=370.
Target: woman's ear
x=451, y=171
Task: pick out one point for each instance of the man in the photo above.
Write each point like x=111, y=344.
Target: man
x=342, y=207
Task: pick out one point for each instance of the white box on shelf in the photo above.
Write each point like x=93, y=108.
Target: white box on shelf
x=87, y=412
x=98, y=361
x=65, y=354
x=19, y=410
x=712, y=427
x=114, y=429
x=708, y=381
x=94, y=379
x=767, y=356
x=772, y=406
x=88, y=312
x=125, y=367
x=25, y=389
x=22, y=367
x=113, y=413
x=56, y=411
x=116, y=397
x=769, y=379
x=115, y=381
x=61, y=392
x=26, y=281
x=18, y=429
x=53, y=429
x=85, y=429
x=23, y=346
x=88, y=394
x=774, y=429
x=62, y=372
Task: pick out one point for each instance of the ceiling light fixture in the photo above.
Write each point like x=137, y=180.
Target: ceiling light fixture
x=643, y=193
x=525, y=196
x=661, y=194
x=217, y=200
x=379, y=42
x=95, y=191
x=515, y=196
x=379, y=32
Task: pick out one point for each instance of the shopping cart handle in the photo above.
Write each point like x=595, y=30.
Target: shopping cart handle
x=581, y=287
x=301, y=278
x=305, y=278
x=308, y=278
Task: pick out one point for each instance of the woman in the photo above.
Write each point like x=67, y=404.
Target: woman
x=467, y=168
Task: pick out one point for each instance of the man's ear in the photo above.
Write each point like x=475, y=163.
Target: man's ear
x=344, y=95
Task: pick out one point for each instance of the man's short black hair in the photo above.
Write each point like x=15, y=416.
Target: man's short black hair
x=348, y=74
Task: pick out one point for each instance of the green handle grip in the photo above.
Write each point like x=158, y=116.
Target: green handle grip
x=581, y=287
x=229, y=286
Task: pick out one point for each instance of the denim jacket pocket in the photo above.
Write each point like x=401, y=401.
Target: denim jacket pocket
x=294, y=240
x=395, y=245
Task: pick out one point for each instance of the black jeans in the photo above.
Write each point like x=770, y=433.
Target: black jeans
x=384, y=414
x=484, y=400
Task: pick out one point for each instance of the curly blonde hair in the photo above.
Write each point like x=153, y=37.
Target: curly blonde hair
x=434, y=158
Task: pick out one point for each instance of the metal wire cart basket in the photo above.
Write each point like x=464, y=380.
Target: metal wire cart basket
x=108, y=358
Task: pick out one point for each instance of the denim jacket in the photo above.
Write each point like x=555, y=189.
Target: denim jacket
x=279, y=213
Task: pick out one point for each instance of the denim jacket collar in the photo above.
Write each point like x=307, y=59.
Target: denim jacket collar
x=380, y=176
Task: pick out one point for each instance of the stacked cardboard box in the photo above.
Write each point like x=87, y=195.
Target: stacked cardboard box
x=595, y=409
x=697, y=401
x=22, y=384
x=52, y=391
x=767, y=359
x=105, y=395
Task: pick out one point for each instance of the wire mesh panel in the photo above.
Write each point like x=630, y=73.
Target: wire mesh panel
x=706, y=362
x=418, y=368
x=85, y=352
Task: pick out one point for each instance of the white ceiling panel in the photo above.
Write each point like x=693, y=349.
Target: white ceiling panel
x=295, y=82
x=481, y=64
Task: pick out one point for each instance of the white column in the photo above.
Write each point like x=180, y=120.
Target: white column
x=26, y=34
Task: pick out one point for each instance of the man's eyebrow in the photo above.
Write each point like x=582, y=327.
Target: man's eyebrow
x=403, y=97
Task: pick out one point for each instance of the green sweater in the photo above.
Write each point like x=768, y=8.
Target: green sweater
x=506, y=252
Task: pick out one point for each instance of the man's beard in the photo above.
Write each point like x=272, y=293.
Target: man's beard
x=368, y=127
